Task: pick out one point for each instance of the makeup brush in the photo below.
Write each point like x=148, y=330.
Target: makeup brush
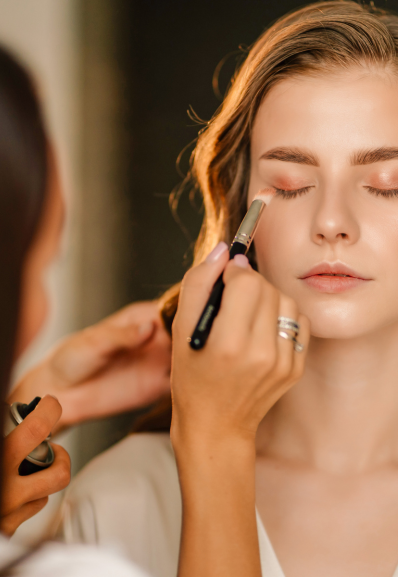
x=240, y=245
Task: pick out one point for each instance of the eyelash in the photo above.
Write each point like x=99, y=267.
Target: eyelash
x=288, y=194
x=387, y=193
x=291, y=193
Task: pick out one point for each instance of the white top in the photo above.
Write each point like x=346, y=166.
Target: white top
x=66, y=561
x=129, y=497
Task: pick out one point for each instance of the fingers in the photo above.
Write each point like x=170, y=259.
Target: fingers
x=197, y=286
x=31, y=432
x=287, y=308
x=41, y=484
x=10, y=523
x=135, y=314
x=291, y=362
x=245, y=294
x=304, y=339
x=250, y=308
x=249, y=313
x=20, y=490
x=50, y=480
x=87, y=352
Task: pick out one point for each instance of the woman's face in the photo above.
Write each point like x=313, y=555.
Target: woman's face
x=335, y=140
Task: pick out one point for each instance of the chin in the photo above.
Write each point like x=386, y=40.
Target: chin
x=340, y=322
x=335, y=332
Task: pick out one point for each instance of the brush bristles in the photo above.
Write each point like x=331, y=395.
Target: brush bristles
x=265, y=195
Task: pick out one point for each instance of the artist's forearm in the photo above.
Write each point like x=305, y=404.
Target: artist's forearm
x=219, y=531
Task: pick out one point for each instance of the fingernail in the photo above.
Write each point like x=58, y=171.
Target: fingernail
x=52, y=396
x=216, y=252
x=241, y=260
x=145, y=328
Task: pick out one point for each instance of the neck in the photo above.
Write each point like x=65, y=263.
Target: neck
x=343, y=414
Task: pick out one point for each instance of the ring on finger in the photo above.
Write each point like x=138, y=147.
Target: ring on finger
x=298, y=347
x=289, y=324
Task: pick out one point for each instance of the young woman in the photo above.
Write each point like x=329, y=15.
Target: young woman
x=312, y=114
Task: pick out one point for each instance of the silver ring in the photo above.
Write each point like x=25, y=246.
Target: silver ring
x=289, y=324
x=298, y=347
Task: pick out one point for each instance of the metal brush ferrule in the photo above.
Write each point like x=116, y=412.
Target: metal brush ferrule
x=243, y=238
x=249, y=224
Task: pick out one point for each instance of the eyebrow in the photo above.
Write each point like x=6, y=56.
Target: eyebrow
x=301, y=156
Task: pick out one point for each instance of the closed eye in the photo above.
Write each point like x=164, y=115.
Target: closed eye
x=287, y=194
x=292, y=193
x=386, y=192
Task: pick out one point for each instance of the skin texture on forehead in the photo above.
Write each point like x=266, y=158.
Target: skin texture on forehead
x=331, y=117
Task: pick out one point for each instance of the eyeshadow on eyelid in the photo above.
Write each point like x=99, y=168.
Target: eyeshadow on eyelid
x=289, y=183
x=384, y=181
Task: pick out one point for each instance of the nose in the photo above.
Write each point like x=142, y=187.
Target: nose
x=334, y=220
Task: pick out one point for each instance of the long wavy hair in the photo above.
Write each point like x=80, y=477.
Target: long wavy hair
x=23, y=181
x=320, y=38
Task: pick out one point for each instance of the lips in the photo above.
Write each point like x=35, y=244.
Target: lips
x=333, y=278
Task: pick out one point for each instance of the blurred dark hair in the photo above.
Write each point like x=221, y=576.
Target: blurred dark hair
x=23, y=182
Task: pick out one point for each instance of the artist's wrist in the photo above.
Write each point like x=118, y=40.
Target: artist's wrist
x=215, y=447
x=217, y=480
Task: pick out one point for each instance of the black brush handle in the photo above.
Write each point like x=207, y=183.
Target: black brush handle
x=206, y=319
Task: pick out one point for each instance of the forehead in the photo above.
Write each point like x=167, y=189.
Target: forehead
x=332, y=114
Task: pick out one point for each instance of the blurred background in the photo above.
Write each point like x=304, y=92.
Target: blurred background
x=117, y=79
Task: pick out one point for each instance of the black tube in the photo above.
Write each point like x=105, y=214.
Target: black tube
x=24, y=410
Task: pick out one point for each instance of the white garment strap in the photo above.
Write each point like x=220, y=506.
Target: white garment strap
x=270, y=566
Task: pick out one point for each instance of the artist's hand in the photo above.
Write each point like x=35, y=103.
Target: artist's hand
x=245, y=367
x=121, y=363
x=220, y=395
x=23, y=497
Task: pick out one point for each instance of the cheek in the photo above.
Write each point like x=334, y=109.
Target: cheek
x=380, y=249
x=275, y=244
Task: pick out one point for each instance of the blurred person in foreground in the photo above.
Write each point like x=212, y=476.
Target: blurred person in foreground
x=119, y=364
x=31, y=216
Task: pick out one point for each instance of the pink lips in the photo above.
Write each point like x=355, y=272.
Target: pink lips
x=333, y=278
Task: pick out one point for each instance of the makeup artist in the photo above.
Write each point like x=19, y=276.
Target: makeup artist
x=119, y=364
x=31, y=216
